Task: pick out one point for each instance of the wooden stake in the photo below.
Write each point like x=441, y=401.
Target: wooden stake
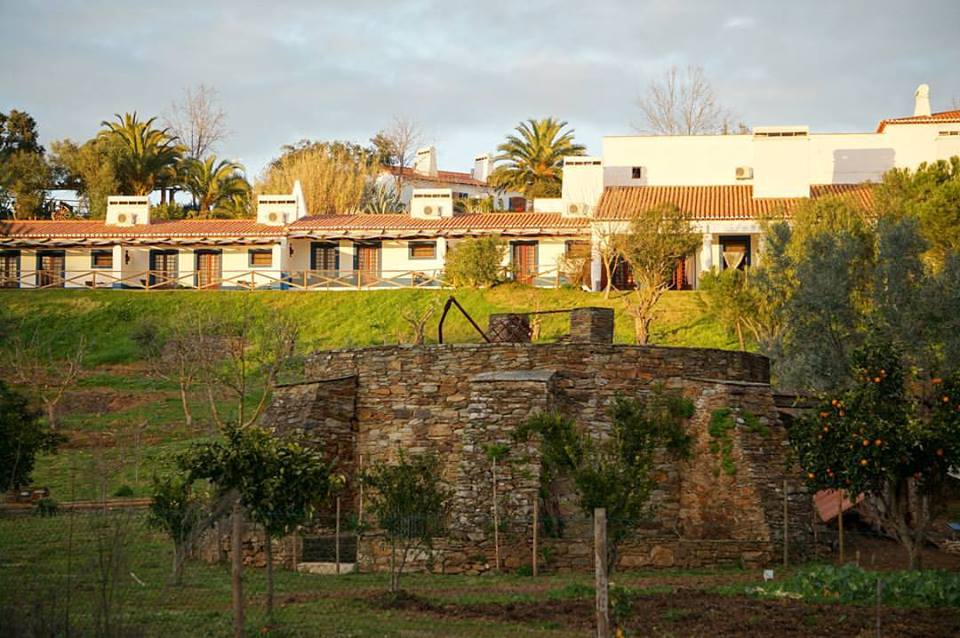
x=536, y=530
x=879, y=590
x=786, y=527
x=840, y=524
x=600, y=565
x=337, y=541
x=237, y=569
x=496, y=519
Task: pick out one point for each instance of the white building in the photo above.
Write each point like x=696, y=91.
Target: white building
x=725, y=183
x=473, y=185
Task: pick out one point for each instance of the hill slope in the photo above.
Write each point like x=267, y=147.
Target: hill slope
x=122, y=424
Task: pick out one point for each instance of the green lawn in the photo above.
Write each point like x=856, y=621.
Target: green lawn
x=124, y=425
x=62, y=561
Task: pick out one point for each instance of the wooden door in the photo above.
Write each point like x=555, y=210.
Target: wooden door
x=679, y=280
x=367, y=261
x=10, y=270
x=208, y=270
x=163, y=268
x=50, y=270
x=524, y=260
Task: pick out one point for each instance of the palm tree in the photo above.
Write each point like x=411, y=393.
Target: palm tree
x=149, y=155
x=534, y=158
x=214, y=184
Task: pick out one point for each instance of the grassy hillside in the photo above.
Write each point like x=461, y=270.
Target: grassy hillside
x=123, y=424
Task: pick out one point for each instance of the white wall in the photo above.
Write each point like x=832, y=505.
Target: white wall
x=783, y=167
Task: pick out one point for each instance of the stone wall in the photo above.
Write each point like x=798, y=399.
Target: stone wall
x=456, y=400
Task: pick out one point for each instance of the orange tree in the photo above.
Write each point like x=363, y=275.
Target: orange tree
x=889, y=435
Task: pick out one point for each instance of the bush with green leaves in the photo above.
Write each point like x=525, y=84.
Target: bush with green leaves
x=279, y=482
x=23, y=435
x=476, y=262
x=177, y=509
x=850, y=584
x=614, y=472
x=409, y=500
x=891, y=435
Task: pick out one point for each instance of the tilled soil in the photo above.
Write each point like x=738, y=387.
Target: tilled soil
x=690, y=612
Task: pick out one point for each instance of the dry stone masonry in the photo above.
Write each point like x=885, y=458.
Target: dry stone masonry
x=719, y=507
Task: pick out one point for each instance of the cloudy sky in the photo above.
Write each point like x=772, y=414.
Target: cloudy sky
x=468, y=72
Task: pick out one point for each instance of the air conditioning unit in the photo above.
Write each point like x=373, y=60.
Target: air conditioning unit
x=428, y=210
x=744, y=172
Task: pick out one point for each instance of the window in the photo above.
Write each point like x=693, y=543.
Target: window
x=260, y=257
x=101, y=259
x=422, y=249
x=324, y=256
x=636, y=172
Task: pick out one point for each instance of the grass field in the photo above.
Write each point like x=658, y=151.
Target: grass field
x=93, y=570
x=123, y=424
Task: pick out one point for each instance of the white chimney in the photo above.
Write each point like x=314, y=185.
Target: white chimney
x=482, y=167
x=127, y=210
x=921, y=105
x=425, y=162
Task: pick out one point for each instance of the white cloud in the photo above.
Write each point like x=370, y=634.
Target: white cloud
x=329, y=69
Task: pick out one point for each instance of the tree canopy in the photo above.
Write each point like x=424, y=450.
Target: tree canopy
x=531, y=161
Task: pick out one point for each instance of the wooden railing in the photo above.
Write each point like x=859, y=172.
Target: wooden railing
x=249, y=279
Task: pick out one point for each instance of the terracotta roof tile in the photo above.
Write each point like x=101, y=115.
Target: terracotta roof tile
x=445, y=177
x=175, y=228
x=485, y=222
x=706, y=203
x=943, y=117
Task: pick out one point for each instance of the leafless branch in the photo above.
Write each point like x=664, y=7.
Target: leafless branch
x=198, y=120
x=682, y=102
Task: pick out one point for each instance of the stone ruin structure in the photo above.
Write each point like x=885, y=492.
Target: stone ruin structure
x=363, y=405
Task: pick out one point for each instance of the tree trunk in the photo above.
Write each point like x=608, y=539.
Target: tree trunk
x=269, y=549
x=393, y=566
x=236, y=550
x=187, y=415
x=641, y=329
x=740, y=336
x=51, y=409
x=179, y=555
x=496, y=519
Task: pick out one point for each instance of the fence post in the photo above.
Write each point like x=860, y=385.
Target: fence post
x=536, y=529
x=840, y=523
x=337, y=541
x=786, y=526
x=237, y=570
x=879, y=590
x=600, y=563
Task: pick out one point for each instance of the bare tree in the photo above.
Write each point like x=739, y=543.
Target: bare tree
x=397, y=144
x=180, y=352
x=610, y=256
x=246, y=351
x=47, y=372
x=657, y=239
x=198, y=120
x=682, y=102
x=418, y=318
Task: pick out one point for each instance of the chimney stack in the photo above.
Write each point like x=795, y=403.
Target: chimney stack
x=482, y=167
x=921, y=105
x=425, y=162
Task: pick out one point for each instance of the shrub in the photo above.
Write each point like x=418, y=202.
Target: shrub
x=852, y=585
x=124, y=491
x=47, y=506
x=476, y=263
